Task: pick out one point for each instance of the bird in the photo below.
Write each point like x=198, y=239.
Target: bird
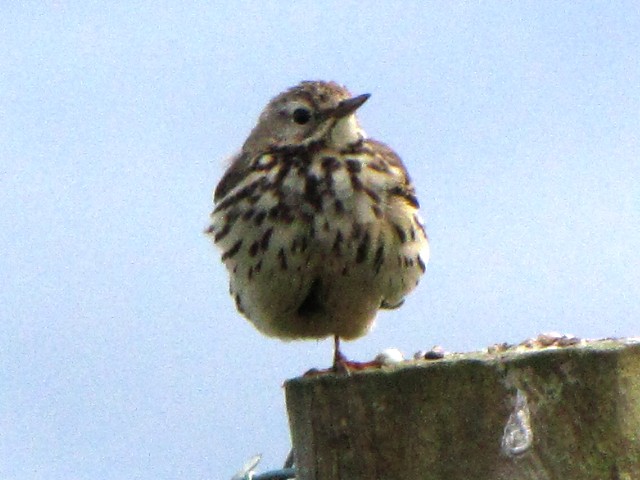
x=318, y=225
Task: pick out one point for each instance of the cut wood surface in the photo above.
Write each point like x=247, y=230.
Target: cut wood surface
x=570, y=412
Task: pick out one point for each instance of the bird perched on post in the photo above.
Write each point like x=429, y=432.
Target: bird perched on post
x=318, y=225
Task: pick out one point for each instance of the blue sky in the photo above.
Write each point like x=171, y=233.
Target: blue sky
x=122, y=355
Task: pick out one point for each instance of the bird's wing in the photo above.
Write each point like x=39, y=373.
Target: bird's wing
x=235, y=173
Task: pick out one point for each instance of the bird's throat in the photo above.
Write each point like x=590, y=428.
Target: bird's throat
x=346, y=132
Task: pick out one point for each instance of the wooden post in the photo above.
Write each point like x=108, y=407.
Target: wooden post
x=568, y=413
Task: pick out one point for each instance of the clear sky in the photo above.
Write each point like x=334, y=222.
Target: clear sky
x=122, y=356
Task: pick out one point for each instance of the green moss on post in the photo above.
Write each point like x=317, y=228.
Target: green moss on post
x=557, y=413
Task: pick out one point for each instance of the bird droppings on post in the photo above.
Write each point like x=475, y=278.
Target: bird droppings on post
x=518, y=435
x=389, y=356
x=393, y=357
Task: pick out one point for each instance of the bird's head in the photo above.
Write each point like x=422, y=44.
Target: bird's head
x=309, y=113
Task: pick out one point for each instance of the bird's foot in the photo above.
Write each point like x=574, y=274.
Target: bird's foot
x=342, y=365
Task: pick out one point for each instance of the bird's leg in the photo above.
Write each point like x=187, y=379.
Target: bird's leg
x=339, y=359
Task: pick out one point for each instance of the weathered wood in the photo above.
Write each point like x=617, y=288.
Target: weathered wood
x=465, y=417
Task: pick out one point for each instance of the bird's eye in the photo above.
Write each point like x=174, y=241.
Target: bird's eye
x=301, y=116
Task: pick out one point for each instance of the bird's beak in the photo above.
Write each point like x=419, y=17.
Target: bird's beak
x=348, y=106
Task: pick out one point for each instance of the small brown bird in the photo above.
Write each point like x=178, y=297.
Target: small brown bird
x=318, y=225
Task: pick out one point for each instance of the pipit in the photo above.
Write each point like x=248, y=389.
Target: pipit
x=318, y=225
